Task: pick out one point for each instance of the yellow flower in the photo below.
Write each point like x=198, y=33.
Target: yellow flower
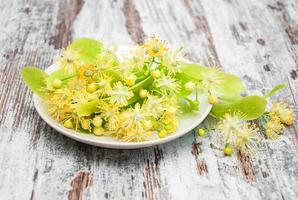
x=106, y=60
x=110, y=113
x=138, y=57
x=282, y=110
x=247, y=139
x=130, y=79
x=155, y=48
x=85, y=123
x=120, y=94
x=58, y=104
x=238, y=133
x=212, y=80
x=135, y=125
x=170, y=60
x=87, y=73
x=230, y=124
x=167, y=85
x=154, y=105
x=104, y=85
x=273, y=127
x=69, y=61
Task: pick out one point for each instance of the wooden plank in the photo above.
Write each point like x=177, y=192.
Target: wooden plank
x=262, y=50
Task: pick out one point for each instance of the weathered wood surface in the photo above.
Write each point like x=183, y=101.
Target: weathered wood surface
x=257, y=40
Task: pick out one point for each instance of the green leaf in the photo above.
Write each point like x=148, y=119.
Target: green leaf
x=275, y=89
x=87, y=48
x=35, y=79
x=59, y=74
x=224, y=84
x=252, y=107
x=88, y=108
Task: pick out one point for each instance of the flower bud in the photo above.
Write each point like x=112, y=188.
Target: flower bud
x=156, y=74
x=228, y=150
x=190, y=86
x=212, y=99
x=91, y=88
x=143, y=93
x=57, y=83
x=68, y=124
x=201, y=132
x=97, y=121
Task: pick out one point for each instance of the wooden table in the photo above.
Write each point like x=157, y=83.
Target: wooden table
x=254, y=39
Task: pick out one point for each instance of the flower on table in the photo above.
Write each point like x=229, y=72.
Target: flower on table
x=273, y=127
x=283, y=112
x=238, y=133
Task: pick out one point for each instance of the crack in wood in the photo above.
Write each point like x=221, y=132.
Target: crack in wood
x=151, y=174
x=267, y=67
x=243, y=26
x=202, y=27
x=293, y=74
x=290, y=29
x=81, y=181
x=246, y=167
x=66, y=17
x=261, y=42
x=202, y=167
x=133, y=22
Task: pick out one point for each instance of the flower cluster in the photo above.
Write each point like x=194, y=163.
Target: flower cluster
x=273, y=122
x=130, y=99
x=140, y=96
x=237, y=133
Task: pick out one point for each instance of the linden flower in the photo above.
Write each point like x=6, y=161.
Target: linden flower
x=69, y=61
x=106, y=60
x=154, y=105
x=212, y=80
x=273, y=127
x=247, y=139
x=104, y=85
x=167, y=85
x=86, y=73
x=120, y=94
x=58, y=104
x=230, y=124
x=155, y=48
x=81, y=97
x=138, y=57
x=110, y=113
x=135, y=125
x=238, y=133
x=283, y=112
x=170, y=61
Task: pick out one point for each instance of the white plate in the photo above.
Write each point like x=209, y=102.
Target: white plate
x=186, y=123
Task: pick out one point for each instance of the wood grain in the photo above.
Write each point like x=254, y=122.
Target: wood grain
x=256, y=40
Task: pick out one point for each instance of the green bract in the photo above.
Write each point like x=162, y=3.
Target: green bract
x=59, y=74
x=35, y=79
x=252, y=107
x=88, y=49
x=221, y=83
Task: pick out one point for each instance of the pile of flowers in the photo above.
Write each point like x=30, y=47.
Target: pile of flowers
x=141, y=95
